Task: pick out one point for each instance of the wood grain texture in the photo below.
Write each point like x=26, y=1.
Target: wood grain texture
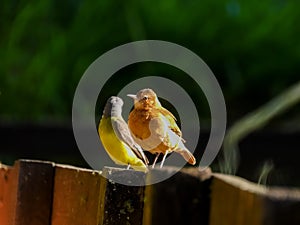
x=236, y=201
x=76, y=196
x=122, y=204
x=5, y=178
x=30, y=190
x=282, y=206
x=184, y=198
x=42, y=193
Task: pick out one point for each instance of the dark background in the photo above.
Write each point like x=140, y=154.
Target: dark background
x=253, y=48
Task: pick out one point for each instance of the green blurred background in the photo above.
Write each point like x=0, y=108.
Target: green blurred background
x=253, y=48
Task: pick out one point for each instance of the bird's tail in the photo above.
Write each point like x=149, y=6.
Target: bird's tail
x=186, y=154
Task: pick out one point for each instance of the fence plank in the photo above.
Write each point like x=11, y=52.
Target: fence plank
x=76, y=196
x=282, y=206
x=30, y=194
x=4, y=193
x=31, y=190
x=122, y=204
x=236, y=201
x=182, y=199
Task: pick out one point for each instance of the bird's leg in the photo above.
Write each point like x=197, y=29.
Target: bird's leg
x=163, y=160
x=128, y=167
x=157, y=155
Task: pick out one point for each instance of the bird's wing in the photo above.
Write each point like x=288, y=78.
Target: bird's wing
x=172, y=121
x=122, y=131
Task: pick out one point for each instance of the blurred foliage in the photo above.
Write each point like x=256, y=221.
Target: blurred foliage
x=253, y=47
x=253, y=122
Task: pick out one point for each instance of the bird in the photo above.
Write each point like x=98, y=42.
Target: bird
x=154, y=128
x=116, y=137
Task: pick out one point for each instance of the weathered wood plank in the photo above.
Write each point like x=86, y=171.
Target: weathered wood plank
x=122, y=204
x=30, y=194
x=76, y=196
x=40, y=193
x=282, y=206
x=236, y=201
x=4, y=193
x=181, y=199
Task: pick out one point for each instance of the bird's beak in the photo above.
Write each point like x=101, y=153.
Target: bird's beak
x=132, y=96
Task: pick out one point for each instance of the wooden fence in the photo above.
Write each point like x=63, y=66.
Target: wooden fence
x=44, y=193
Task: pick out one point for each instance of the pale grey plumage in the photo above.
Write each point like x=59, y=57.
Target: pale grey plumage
x=113, y=108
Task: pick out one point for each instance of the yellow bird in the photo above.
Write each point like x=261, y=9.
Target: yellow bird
x=116, y=138
x=154, y=128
